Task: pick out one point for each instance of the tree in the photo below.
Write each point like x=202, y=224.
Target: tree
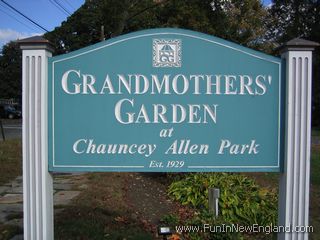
x=294, y=18
x=291, y=19
x=81, y=29
x=238, y=21
x=10, y=71
x=315, y=36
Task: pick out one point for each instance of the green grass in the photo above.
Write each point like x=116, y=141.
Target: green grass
x=10, y=160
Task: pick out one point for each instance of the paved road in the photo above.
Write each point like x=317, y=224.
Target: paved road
x=12, y=129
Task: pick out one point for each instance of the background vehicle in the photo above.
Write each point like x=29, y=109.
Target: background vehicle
x=8, y=111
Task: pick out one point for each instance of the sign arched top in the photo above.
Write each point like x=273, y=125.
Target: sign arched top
x=165, y=100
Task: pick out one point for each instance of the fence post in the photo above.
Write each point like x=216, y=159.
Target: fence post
x=37, y=181
x=295, y=178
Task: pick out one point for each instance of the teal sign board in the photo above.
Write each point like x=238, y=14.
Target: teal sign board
x=164, y=100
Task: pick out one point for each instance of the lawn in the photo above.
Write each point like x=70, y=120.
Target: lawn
x=10, y=160
x=100, y=212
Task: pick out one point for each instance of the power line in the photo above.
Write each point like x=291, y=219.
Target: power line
x=16, y=19
x=54, y=4
x=16, y=10
x=60, y=7
x=147, y=8
x=69, y=4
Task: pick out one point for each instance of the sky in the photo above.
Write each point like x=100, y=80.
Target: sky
x=47, y=13
x=44, y=12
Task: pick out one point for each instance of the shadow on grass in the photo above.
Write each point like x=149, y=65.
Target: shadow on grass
x=100, y=212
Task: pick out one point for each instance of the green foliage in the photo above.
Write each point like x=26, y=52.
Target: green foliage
x=10, y=71
x=241, y=200
x=290, y=19
x=170, y=219
x=238, y=21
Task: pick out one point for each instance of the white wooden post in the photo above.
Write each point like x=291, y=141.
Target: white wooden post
x=37, y=181
x=294, y=181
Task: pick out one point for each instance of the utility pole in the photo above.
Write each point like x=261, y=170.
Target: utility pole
x=102, y=38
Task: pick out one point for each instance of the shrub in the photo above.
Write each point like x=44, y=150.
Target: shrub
x=241, y=201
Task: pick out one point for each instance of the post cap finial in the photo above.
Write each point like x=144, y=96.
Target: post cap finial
x=35, y=42
x=299, y=44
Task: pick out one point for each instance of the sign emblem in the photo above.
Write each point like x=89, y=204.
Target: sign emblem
x=166, y=52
